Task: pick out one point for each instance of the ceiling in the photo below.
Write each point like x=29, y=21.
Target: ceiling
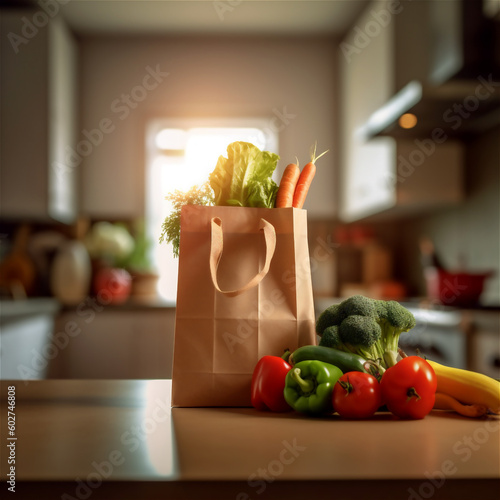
x=245, y=17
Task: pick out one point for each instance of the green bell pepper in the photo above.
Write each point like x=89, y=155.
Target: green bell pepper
x=309, y=386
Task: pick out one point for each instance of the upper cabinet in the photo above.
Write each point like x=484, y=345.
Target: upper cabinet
x=39, y=117
x=366, y=82
x=417, y=78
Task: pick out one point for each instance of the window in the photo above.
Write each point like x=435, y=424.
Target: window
x=180, y=154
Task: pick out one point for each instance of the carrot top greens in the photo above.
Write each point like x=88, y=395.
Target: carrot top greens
x=171, y=227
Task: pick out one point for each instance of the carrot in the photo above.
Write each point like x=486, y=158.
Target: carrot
x=284, y=197
x=305, y=180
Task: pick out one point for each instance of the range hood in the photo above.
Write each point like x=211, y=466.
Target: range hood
x=448, y=73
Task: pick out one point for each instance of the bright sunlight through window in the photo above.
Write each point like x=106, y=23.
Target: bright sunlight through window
x=181, y=154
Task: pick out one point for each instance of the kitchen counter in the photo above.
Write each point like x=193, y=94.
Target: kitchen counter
x=121, y=439
x=14, y=309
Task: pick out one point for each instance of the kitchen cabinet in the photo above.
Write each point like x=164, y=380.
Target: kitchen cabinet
x=484, y=343
x=113, y=342
x=382, y=174
x=38, y=111
x=26, y=328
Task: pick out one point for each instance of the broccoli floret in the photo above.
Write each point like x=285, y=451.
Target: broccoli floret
x=394, y=319
x=330, y=316
x=357, y=305
x=368, y=327
x=336, y=313
x=331, y=338
x=361, y=335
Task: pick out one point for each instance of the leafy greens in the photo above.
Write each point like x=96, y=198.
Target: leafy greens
x=244, y=178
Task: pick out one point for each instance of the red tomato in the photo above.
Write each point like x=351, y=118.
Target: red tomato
x=356, y=395
x=112, y=285
x=409, y=388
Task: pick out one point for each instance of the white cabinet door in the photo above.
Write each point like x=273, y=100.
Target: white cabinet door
x=38, y=115
x=25, y=347
x=366, y=73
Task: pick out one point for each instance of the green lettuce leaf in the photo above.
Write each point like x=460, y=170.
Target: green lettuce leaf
x=244, y=177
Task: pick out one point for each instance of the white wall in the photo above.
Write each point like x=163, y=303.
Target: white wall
x=207, y=77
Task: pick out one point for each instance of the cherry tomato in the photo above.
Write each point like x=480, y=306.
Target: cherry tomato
x=409, y=388
x=356, y=395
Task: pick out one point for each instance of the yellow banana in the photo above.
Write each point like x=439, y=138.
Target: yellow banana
x=468, y=387
x=447, y=402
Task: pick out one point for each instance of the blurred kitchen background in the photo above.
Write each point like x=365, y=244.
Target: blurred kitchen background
x=106, y=106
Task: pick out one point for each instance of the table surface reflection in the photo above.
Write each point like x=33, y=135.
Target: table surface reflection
x=125, y=431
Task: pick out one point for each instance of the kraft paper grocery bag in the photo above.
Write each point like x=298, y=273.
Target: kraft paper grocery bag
x=244, y=291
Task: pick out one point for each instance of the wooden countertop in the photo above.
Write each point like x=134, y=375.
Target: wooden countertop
x=121, y=439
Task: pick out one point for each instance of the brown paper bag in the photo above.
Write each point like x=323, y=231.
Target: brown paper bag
x=244, y=291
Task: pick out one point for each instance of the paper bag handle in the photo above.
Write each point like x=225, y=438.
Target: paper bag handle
x=216, y=247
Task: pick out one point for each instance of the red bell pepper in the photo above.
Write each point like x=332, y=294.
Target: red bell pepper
x=268, y=383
